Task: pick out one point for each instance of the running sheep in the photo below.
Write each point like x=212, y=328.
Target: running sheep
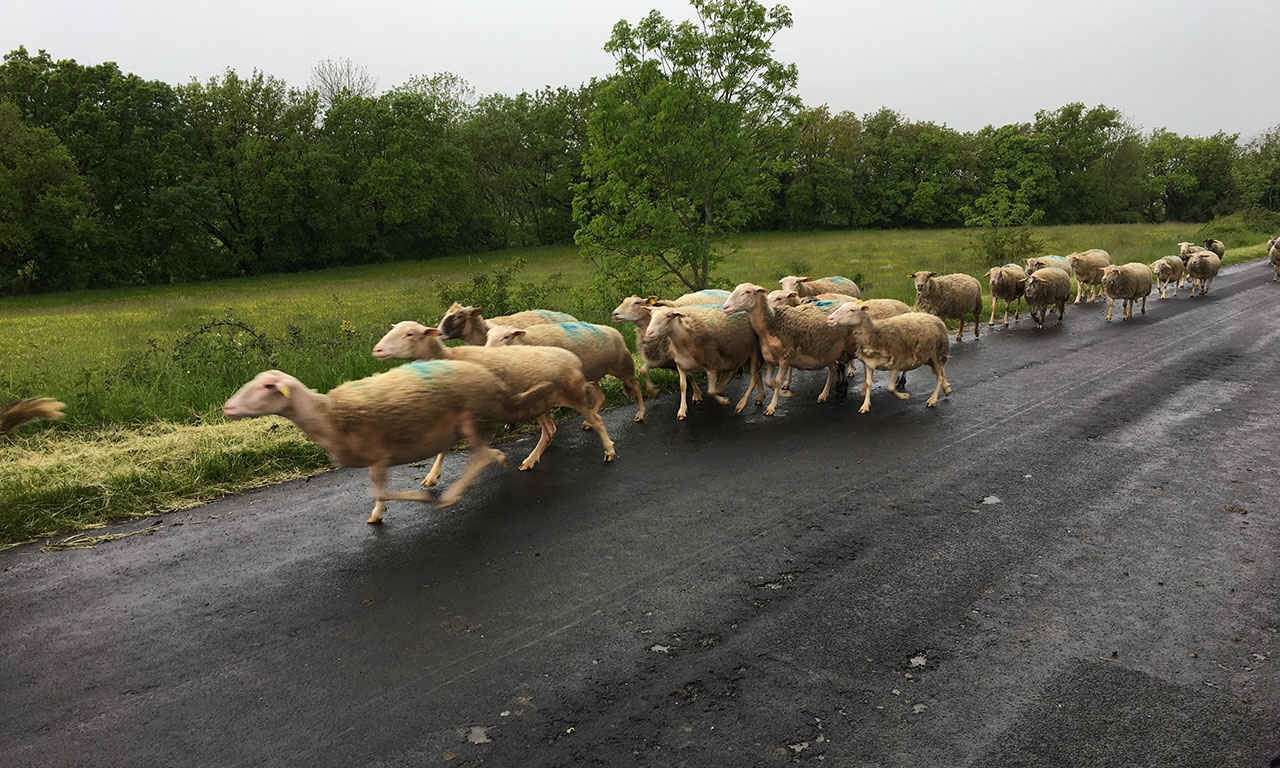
x=954, y=296
x=807, y=286
x=792, y=336
x=654, y=352
x=469, y=324
x=705, y=339
x=1047, y=287
x=1040, y=262
x=1168, y=271
x=1273, y=256
x=407, y=414
x=901, y=343
x=1127, y=282
x=1202, y=267
x=829, y=302
x=1216, y=246
x=1087, y=267
x=521, y=369
x=600, y=348
x=1008, y=284
x=19, y=412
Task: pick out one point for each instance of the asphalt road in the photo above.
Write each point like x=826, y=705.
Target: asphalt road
x=819, y=586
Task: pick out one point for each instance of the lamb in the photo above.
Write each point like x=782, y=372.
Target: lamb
x=949, y=296
x=19, y=412
x=599, y=347
x=1008, y=284
x=900, y=343
x=1202, y=267
x=654, y=352
x=807, y=286
x=1168, y=271
x=1216, y=246
x=704, y=339
x=1087, y=267
x=1040, y=262
x=406, y=414
x=1127, y=282
x=1047, y=287
x=792, y=336
x=468, y=323
x=520, y=368
x=1273, y=256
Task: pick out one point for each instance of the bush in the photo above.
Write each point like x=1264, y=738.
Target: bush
x=500, y=293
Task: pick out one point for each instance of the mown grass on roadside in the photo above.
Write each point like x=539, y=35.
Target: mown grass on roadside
x=144, y=371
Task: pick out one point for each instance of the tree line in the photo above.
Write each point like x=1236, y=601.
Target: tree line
x=109, y=179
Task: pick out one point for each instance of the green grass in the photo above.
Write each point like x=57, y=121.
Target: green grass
x=144, y=371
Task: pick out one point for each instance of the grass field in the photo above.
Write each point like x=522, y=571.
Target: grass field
x=144, y=371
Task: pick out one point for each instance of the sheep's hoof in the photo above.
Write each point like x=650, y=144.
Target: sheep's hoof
x=639, y=418
x=375, y=520
x=428, y=482
x=527, y=465
x=787, y=393
x=902, y=395
x=680, y=416
x=768, y=411
x=721, y=399
x=864, y=409
x=930, y=402
x=586, y=425
x=610, y=456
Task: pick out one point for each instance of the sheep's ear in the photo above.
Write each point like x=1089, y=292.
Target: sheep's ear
x=933, y=274
x=519, y=332
x=475, y=311
x=803, y=279
x=675, y=314
x=431, y=331
x=652, y=300
x=284, y=390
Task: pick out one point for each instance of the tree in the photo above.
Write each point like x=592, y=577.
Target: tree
x=332, y=78
x=685, y=143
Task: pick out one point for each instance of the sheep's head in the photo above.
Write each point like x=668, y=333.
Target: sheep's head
x=782, y=298
x=503, y=336
x=848, y=313
x=455, y=321
x=790, y=282
x=268, y=392
x=743, y=298
x=633, y=308
x=1110, y=274
x=922, y=279
x=661, y=321
x=404, y=341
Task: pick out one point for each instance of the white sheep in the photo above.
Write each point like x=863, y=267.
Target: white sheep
x=1168, y=271
x=1087, y=267
x=469, y=324
x=600, y=347
x=704, y=339
x=1008, y=284
x=706, y=297
x=954, y=296
x=792, y=336
x=654, y=353
x=1273, y=256
x=520, y=368
x=807, y=286
x=1040, y=262
x=1127, y=282
x=1202, y=267
x=1047, y=287
x=829, y=302
x=1217, y=246
x=406, y=414
x=901, y=343
x=19, y=412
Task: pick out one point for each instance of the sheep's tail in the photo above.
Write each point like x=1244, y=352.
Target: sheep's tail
x=19, y=412
x=537, y=390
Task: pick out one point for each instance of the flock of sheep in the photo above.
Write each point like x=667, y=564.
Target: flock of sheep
x=521, y=367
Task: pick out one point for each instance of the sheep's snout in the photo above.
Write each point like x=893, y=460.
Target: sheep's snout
x=231, y=411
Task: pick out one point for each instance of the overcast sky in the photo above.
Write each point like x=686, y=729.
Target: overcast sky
x=1193, y=66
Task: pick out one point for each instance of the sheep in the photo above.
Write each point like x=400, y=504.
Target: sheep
x=792, y=336
x=949, y=296
x=406, y=414
x=1216, y=246
x=807, y=286
x=1047, y=287
x=1273, y=256
x=19, y=412
x=1040, y=262
x=1185, y=252
x=600, y=347
x=1127, y=282
x=1168, y=270
x=1202, y=267
x=829, y=302
x=521, y=368
x=1087, y=267
x=899, y=343
x=1008, y=284
x=654, y=353
x=704, y=339
x=468, y=323
x=705, y=297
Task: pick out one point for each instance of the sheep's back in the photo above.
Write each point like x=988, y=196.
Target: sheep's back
x=532, y=317
x=952, y=296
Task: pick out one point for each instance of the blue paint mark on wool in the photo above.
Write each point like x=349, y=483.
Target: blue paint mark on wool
x=428, y=368
x=827, y=304
x=577, y=327
x=838, y=279
x=548, y=314
x=714, y=292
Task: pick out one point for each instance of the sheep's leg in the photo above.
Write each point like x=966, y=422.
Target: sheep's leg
x=649, y=386
x=593, y=416
x=960, y=333
x=751, y=385
x=768, y=375
x=894, y=373
x=714, y=387
x=632, y=387
x=941, y=375
x=786, y=385
x=1062, y=310
x=1079, y=289
x=378, y=479
x=756, y=363
x=866, y=387
x=548, y=425
x=1110, y=308
x=831, y=376
x=1017, y=308
x=992, y=321
x=480, y=457
x=783, y=366
x=977, y=331
x=1006, y=311
x=684, y=384
x=433, y=474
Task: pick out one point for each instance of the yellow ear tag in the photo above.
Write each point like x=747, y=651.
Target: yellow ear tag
x=284, y=390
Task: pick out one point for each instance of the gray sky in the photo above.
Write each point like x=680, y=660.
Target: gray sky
x=1193, y=66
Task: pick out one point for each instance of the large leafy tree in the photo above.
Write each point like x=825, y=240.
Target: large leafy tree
x=685, y=143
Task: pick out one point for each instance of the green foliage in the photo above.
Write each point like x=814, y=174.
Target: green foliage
x=685, y=143
x=1191, y=178
x=500, y=293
